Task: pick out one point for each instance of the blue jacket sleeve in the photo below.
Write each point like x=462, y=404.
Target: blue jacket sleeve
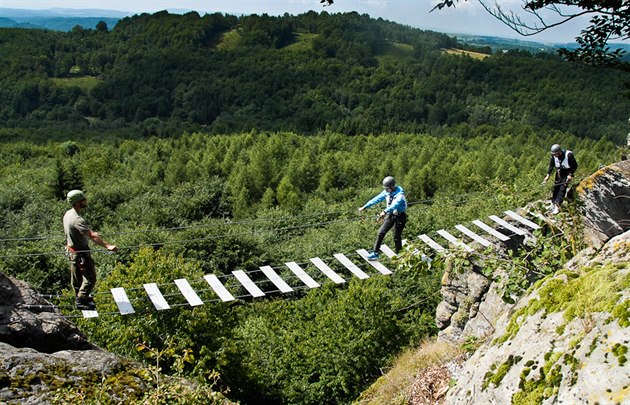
x=380, y=197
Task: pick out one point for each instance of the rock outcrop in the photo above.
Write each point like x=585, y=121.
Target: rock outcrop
x=44, y=358
x=28, y=320
x=567, y=339
x=41, y=352
x=605, y=202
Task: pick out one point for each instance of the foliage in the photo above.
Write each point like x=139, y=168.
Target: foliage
x=165, y=74
x=329, y=345
x=543, y=256
x=146, y=385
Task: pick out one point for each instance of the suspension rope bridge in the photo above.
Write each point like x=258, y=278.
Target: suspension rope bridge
x=293, y=276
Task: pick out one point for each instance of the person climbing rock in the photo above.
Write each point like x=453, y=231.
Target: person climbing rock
x=565, y=164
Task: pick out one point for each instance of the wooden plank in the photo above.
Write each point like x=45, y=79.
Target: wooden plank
x=491, y=231
x=298, y=271
x=218, y=288
x=354, y=269
x=275, y=279
x=388, y=251
x=431, y=243
x=478, y=238
x=156, y=296
x=506, y=225
x=522, y=220
x=453, y=240
x=374, y=263
x=539, y=216
x=248, y=283
x=90, y=314
x=191, y=296
x=319, y=263
x=121, y=299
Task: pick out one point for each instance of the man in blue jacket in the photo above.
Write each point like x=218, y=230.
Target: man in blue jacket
x=394, y=214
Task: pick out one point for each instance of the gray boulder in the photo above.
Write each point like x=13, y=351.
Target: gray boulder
x=28, y=320
x=605, y=203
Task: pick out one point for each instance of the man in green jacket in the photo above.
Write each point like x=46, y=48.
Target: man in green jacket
x=78, y=231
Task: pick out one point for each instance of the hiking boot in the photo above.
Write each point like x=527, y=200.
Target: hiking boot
x=372, y=256
x=86, y=304
x=556, y=209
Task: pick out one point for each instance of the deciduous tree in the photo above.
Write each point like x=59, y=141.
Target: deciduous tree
x=610, y=20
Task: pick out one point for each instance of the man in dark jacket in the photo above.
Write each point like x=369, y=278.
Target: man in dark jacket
x=565, y=164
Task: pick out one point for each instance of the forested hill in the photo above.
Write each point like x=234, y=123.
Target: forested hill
x=165, y=74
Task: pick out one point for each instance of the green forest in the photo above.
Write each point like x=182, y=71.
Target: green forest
x=209, y=144
x=163, y=74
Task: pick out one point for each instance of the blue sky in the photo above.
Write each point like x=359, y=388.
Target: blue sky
x=469, y=17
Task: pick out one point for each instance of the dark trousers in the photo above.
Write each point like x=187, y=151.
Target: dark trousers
x=397, y=222
x=559, y=189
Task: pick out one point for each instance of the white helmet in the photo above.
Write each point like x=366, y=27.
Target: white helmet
x=555, y=148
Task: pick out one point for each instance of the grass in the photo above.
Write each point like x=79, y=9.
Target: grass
x=85, y=83
x=396, y=51
x=303, y=42
x=394, y=387
x=474, y=55
x=229, y=40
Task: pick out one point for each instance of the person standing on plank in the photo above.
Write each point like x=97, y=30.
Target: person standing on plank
x=394, y=215
x=78, y=231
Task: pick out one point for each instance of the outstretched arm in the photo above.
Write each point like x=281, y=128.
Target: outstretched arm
x=380, y=197
x=96, y=238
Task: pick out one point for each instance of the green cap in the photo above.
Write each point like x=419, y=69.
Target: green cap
x=74, y=196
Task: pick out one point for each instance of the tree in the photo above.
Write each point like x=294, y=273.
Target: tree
x=101, y=26
x=610, y=20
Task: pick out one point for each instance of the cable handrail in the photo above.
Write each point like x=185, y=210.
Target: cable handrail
x=228, y=222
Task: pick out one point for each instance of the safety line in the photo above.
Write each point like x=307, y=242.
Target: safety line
x=180, y=241
x=241, y=222
x=192, y=227
x=183, y=241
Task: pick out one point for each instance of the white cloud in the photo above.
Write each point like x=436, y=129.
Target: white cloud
x=374, y=3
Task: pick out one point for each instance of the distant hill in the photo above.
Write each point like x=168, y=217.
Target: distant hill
x=58, y=19
x=57, y=23
x=64, y=19
x=166, y=73
x=501, y=44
